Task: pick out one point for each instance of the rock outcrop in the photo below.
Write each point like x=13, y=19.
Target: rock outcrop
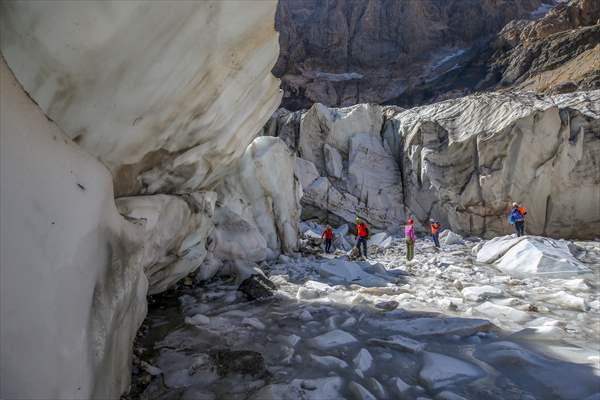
x=421, y=52
x=461, y=161
x=557, y=53
x=347, y=52
x=165, y=98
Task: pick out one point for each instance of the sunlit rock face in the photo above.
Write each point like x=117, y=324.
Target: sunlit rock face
x=462, y=161
x=165, y=97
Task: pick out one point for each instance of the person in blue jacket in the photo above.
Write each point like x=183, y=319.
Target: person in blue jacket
x=517, y=218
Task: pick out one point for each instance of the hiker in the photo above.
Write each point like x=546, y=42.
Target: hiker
x=328, y=235
x=435, y=232
x=409, y=235
x=517, y=218
x=362, y=235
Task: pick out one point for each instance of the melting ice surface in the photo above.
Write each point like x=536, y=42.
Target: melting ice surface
x=440, y=327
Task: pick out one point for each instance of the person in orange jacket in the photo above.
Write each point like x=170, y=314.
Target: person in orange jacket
x=362, y=234
x=328, y=235
x=435, y=232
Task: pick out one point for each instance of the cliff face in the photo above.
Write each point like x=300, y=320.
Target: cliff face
x=347, y=52
x=160, y=102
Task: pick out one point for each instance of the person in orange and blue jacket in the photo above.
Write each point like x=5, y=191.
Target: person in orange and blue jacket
x=517, y=218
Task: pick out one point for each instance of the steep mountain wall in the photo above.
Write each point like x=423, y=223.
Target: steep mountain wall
x=158, y=102
x=462, y=161
x=346, y=52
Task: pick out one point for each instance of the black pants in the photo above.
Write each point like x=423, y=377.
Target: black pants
x=436, y=239
x=520, y=227
x=363, y=241
x=328, y=245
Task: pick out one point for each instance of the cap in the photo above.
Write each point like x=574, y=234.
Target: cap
x=515, y=204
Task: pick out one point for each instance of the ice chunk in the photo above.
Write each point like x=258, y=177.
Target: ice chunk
x=329, y=362
x=363, y=360
x=359, y=392
x=382, y=239
x=530, y=255
x=401, y=343
x=197, y=319
x=376, y=388
x=332, y=339
x=306, y=389
x=498, y=312
x=477, y=293
x=432, y=326
x=567, y=300
x=401, y=388
x=254, y=322
x=440, y=371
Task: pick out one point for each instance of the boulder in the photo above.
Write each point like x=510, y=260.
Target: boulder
x=530, y=255
x=257, y=287
x=243, y=362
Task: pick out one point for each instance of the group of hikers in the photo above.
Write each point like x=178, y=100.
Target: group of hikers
x=516, y=218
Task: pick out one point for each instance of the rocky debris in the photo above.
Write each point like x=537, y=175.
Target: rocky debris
x=530, y=255
x=257, y=287
x=242, y=362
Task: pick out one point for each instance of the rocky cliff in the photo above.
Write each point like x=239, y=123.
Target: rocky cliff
x=462, y=161
x=346, y=52
x=418, y=52
x=160, y=103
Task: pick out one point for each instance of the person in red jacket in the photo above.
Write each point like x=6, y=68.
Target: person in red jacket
x=328, y=235
x=435, y=232
x=362, y=234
